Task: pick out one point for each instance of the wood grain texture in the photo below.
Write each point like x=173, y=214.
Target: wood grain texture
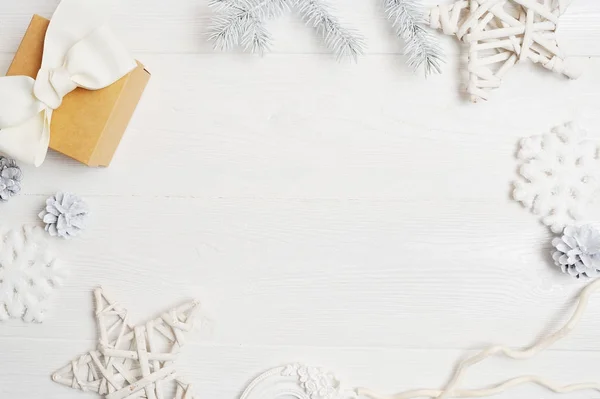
x=181, y=26
x=301, y=126
x=222, y=371
x=353, y=216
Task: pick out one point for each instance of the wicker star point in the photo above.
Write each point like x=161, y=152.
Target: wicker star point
x=501, y=33
x=132, y=361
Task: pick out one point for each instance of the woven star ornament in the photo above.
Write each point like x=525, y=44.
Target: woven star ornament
x=502, y=33
x=133, y=361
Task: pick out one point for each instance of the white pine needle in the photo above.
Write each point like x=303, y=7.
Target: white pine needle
x=421, y=47
x=241, y=22
x=255, y=37
x=343, y=42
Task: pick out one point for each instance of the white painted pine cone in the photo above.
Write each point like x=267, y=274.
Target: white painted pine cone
x=10, y=178
x=65, y=215
x=577, y=251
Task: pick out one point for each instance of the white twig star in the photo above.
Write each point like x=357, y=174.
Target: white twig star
x=501, y=33
x=132, y=362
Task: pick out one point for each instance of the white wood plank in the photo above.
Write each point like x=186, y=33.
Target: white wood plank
x=299, y=127
x=435, y=274
x=223, y=371
x=181, y=26
x=353, y=216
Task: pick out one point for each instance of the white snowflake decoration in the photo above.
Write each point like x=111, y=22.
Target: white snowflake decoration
x=560, y=175
x=29, y=274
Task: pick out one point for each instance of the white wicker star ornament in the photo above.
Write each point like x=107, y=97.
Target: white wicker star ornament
x=501, y=33
x=133, y=361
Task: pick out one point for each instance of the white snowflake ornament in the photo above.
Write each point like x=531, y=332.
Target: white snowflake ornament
x=559, y=175
x=29, y=274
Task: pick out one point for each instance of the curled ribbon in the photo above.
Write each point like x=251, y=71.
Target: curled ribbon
x=79, y=51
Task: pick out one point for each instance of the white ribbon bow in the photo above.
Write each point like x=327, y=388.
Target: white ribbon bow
x=79, y=51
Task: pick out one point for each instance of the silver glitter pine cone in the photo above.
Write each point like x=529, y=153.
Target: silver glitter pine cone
x=10, y=178
x=65, y=215
x=577, y=251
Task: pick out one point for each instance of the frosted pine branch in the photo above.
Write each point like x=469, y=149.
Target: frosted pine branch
x=421, y=47
x=422, y=50
x=342, y=41
x=241, y=22
x=255, y=37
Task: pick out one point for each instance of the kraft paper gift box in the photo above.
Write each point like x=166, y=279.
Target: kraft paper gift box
x=89, y=125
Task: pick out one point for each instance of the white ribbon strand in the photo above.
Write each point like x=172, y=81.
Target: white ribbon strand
x=79, y=51
x=451, y=390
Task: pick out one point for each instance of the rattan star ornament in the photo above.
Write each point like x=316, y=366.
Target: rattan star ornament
x=502, y=33
x=133, y=361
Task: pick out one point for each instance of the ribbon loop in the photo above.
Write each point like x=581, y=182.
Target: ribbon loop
x=52, y=85
x=102, y=49
x=18, y=105
x=79, y=51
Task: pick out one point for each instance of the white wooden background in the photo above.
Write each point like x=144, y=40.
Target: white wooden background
x=354, y=216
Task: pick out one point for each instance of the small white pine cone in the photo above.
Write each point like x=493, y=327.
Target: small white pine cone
x=577, y=251
x=10, y=178
x=65, y=215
